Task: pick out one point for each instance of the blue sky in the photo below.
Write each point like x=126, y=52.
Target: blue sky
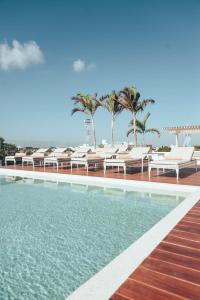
x=152, y=44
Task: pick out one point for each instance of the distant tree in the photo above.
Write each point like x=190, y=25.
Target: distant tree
x=6, y=149
x=130, y=100
x=113, y=106
x=141, y=127
x=88, y=105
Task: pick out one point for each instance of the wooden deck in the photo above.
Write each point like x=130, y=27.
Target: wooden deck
x=187, y=176
x=172, y=270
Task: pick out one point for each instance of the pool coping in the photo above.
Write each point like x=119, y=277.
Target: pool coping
x=105, y=282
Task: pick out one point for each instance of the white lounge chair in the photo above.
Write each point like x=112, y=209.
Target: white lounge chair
x=94, y=158
x=178, y=158
x=90, y=159
x=57, y=157
x=37, y=158
x=129, y=159
x=81, y=157
x=17, y=158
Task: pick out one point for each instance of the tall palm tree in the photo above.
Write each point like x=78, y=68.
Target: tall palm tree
x=88, y=105
x=142, y=128
x=130, y=100
x=113, y=106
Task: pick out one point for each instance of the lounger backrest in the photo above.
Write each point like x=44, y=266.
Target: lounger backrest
x=20, y=154
x=122, y=148
x=184, y=153
x=106, y=151
x=60, y=150
x=41, y=150
x=81, y=152
x=138, y=152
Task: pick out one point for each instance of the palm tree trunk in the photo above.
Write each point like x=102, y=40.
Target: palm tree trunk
x=143, y=139
x=112, y=130
x=94, y=132
x=134, y=130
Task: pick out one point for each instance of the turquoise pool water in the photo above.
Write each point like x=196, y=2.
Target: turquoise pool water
x=55, y=236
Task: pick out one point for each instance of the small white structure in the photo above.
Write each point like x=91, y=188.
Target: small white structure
x=186, y=130
x=89, y=131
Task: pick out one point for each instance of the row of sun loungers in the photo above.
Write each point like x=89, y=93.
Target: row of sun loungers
x=178, y=158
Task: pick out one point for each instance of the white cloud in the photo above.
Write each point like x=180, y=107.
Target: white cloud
x=81, y=66
x=19, y=56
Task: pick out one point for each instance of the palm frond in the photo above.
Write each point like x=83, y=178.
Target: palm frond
x=76, y=109
x=146, y=117
x=132, y=130
x=153, y=130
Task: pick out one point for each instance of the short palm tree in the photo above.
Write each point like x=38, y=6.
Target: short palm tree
x=142, y=128
x=88, y=105
x=113, y=106
x=130, y=100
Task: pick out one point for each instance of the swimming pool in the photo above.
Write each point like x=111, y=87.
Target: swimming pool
x=55, y=235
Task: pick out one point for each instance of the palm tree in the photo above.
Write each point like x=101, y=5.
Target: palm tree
x=113, y=106
x=142, y=128
x=88, y=105
x=130, y=100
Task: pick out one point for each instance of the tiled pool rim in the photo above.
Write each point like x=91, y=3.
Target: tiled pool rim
x=104, y=283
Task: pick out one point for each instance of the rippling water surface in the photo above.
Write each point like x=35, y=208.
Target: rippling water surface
x=55, y=236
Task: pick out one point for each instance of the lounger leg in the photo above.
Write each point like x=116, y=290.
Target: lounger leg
x=87, y=167
x=177, y=174
x=124, y=169
x=142, y=165
x=149, y=172
x=104, y=167
x=158, y=171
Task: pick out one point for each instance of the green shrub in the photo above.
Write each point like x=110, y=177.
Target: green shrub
x=164, y=149
x=197, y=147
x=6, y=149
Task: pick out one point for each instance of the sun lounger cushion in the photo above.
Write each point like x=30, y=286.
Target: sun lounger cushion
x=170, y=162
x=124, y=156
x=37, y=155
x=181, y=153
x=10, y=157
x=115, y=160
x=20, y=154
x=93, y=156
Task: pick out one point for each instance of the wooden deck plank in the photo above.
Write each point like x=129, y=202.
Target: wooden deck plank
x=135, y=290
x=166, y=282
x=185, y=235
x=174, y=270
x=182, y=242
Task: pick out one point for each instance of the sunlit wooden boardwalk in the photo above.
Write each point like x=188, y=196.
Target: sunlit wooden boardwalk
x=187, y=176
x=172, y=270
